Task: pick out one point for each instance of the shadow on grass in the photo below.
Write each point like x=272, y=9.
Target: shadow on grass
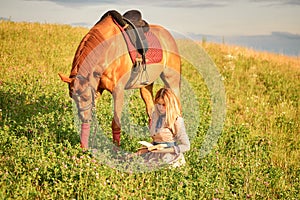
x=49, y=115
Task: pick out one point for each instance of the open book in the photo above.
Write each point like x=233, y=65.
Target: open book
x=151, y=147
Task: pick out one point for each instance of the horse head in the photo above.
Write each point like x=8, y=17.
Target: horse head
x=82, y=91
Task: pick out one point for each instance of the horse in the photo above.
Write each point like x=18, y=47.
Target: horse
x=103, y=62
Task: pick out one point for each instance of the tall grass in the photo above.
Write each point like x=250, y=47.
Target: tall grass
x=257, y=156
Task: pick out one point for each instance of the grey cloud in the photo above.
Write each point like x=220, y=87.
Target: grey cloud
x=172, y=3
x=278, y=2
x=156, y=3
x=74, y=3
x=192, y=4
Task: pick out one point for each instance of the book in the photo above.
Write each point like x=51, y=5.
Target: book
x=151, y=147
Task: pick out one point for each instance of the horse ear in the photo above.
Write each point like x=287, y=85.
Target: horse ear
x=64, y=78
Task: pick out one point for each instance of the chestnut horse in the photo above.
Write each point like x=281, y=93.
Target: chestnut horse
x=102, y=62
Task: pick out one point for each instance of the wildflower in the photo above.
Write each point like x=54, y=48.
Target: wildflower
x=266, y=183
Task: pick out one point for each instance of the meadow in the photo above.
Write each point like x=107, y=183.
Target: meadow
x=256, y=157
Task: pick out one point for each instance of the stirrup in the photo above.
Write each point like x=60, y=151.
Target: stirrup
x=140, y=60
x=140, y=63
x=146, y=82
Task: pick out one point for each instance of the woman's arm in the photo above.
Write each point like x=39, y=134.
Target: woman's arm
x=181, y=137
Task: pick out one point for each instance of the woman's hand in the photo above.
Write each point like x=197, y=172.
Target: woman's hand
x=142, y=151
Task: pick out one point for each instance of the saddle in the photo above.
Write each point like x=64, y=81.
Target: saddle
x=136, y=30
x=142, y=44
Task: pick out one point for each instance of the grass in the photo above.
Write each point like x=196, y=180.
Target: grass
x=257, y=155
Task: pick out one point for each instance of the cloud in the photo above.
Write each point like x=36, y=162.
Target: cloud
x=278, y=2
x=75, y=3
x=190, y=4
x=135, y=3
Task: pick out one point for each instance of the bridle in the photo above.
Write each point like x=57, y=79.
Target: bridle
x=79, y=94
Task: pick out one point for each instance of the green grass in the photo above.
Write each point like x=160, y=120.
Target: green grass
x=257, y=155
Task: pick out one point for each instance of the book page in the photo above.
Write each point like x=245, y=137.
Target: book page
x=147, y=144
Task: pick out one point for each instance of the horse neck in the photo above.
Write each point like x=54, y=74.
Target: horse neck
x=83, y=62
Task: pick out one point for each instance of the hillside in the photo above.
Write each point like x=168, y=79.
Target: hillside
x=257, y=155
x=277, y=42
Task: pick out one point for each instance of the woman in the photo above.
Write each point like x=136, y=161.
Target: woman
x=167, y=131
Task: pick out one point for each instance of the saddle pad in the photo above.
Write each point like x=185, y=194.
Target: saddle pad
x=154, y=53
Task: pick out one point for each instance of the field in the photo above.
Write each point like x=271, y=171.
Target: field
x=256, y=157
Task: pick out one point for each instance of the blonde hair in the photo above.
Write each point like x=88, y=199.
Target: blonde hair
x=172, y=103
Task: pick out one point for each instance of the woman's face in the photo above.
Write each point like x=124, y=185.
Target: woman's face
x=161, y=106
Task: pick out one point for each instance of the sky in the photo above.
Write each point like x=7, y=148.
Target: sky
x=218, y=17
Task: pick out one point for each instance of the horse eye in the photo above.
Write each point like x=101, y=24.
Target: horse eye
x=77, y=92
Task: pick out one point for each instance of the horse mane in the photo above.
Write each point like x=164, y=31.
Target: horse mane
x=115, y=15
x=90, y=41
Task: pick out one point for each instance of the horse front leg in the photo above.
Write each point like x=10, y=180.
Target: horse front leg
x=84, y=135
x=147, y=96
x=118, y=97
